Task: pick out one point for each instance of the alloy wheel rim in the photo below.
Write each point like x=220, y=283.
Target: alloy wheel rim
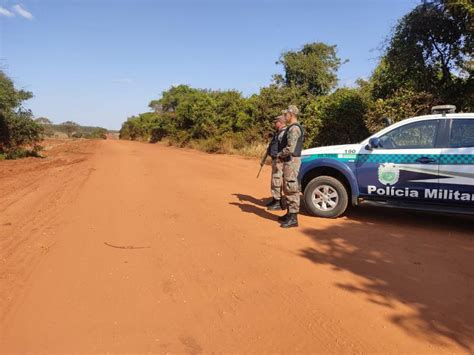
x=325, y=198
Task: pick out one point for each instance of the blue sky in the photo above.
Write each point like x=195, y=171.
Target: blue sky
x=98, y=62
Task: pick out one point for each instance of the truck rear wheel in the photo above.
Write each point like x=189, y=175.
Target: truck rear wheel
x=326, y=197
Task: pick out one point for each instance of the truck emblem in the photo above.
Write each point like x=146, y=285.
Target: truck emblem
x=389, y=173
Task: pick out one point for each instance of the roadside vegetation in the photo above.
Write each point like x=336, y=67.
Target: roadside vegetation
x=71, y=129
x=21, y=135
x=427, y=60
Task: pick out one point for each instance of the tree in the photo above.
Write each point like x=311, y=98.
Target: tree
x=17, y=127
x=171, y=98
x=336, y=119
x=269, y=103
x=313, y=68
x=47, y=126
x=22, y=130
x=402, y=104
x=156, y=106
x=44, y=121
x=96, y=133
x=197, y=115
x=70, y=127
x=232, y=111
x=430, y=51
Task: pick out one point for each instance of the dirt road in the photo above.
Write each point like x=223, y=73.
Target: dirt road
x=204, y=268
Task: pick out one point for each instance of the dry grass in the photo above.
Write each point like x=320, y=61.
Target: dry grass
x=255, y=150
x=223, y=146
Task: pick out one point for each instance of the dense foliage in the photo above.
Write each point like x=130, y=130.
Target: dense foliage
x=430, y=52
x=427, y=60
x=17, y=128
x=313, y=68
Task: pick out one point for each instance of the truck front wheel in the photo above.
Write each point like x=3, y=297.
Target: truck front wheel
x=326, y=197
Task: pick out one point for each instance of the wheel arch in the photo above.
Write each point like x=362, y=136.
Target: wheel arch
x=329, y=167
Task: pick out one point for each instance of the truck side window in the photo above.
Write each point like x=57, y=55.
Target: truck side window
x=417, y=135
x=462, y=134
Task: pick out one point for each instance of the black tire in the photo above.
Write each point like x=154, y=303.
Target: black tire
x=331, y=185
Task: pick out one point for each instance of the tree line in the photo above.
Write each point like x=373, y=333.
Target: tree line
x=71, y=129
x=427, y=60
x=21, y=134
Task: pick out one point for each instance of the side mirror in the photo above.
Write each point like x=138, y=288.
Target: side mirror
x=373, y=143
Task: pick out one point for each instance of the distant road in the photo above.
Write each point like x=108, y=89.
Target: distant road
x=115, y=246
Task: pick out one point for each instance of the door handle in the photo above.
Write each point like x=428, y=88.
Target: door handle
x=425, y=160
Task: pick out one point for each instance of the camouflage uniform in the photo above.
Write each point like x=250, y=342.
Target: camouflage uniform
x=277, y=178
x=291, y=169
x=277, y=172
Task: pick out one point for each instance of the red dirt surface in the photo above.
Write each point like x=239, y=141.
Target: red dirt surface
x=205, y=268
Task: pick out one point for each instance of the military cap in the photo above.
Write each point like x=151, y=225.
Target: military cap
x=291, y=109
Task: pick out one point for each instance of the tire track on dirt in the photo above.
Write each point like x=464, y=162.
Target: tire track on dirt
x=218, y=274
x=29, y=211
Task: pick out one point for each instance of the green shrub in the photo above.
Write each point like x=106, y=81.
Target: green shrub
x=157, y=134
x=96, y=133
x=336, y=119
x=18, y=153
x=403, y=104
x=426, y=61
x=17, y=128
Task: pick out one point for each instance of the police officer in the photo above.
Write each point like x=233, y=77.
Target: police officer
x=274, y=148
x=290, y=155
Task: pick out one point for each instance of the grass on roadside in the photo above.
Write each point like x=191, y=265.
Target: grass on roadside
x=19, y=153
x=228, y=145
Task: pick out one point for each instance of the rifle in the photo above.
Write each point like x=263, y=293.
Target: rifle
x=264, y=158
x=262, y=163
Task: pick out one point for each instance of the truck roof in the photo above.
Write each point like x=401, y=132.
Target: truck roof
x=421, y=118
x=440, y=116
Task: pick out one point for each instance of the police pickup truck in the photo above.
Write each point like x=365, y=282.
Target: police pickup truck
x=424, y=163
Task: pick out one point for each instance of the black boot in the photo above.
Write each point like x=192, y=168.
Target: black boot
x=274, y=206
x=271, y=202
x=284, y=217
x=292, y=221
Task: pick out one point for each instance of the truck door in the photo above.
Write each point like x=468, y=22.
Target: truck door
x=456, y=168
x=403, y=165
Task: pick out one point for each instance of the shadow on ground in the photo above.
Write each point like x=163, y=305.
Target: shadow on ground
x=405, y=259
x=253, y=205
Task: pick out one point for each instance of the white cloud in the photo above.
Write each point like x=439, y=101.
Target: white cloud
x=20, y=10
x=5, y=12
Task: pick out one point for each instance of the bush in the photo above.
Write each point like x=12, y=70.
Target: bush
x=97, y=133
x=403, y=104
x=427, y=61
x=336, y=119
x=18, y=153
x=157, y=134
x=17, y=128
x=209, y=145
